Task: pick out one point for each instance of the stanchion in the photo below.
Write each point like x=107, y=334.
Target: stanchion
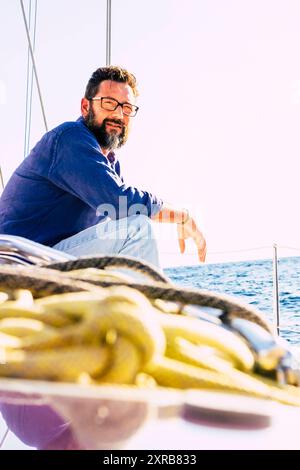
x=275, y=290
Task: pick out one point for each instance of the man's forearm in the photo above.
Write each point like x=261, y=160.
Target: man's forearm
x=170, y=214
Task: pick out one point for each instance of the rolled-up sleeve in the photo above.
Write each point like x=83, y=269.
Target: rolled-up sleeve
x=79, y=168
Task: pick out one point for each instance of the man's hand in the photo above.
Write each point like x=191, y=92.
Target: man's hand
x=186, y=227
x=187, y=230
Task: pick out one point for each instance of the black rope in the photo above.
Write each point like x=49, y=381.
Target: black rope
x=45, y=281
x=102, y=262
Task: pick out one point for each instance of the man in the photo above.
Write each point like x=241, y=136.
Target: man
x=69, y=193
x=61, y=195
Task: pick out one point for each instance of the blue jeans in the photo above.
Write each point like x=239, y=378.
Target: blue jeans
x=132, y=236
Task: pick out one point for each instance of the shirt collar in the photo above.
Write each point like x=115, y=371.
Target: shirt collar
x=111, y=157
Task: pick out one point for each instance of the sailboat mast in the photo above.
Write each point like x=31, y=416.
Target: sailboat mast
x=108, y=32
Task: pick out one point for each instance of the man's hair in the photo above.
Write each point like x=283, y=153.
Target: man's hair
x=112, y=72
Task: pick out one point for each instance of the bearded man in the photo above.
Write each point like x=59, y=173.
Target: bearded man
x=69, y=194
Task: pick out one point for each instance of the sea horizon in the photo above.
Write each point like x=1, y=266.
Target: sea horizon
x=226, y=260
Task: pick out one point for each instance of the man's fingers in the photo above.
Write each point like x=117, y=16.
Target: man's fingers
x=190, y=230
x=202, y=255
x=181, y=245
x=181, y=241
x=201, y=245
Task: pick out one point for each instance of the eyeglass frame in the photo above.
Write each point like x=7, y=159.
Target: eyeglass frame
x=100, y=98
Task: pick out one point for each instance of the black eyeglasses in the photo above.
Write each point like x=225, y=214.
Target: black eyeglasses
x=110, y=104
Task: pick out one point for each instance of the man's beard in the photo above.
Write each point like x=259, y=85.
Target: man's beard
x=107, y=140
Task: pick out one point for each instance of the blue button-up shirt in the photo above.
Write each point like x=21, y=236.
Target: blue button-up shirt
x=66, y=185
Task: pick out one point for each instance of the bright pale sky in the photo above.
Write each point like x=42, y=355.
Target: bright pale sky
x=219, y=120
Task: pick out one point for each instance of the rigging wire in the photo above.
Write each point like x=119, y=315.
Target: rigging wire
x=1, y=178
x=241, y=250
x=27, y=85
x=34, y=65
x=4, y=437
x=28, y=99
x=289, y=248
x=29, y=82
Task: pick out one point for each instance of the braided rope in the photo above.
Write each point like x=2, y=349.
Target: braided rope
x=231, y=307
x=45, y=281
x=228, y=305
x=102, y=262
x=40, y=281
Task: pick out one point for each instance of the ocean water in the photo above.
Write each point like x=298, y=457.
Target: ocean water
x=251, y=282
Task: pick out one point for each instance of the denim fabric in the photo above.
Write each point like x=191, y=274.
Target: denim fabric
x=130, y=236
x=67, y=185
